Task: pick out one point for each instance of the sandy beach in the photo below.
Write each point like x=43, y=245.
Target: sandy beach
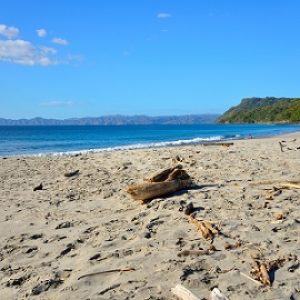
x=56, y=241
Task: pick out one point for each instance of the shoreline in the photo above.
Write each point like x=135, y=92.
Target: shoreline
x=153, y=145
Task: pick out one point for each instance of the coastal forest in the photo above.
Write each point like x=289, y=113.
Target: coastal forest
x=263, y=110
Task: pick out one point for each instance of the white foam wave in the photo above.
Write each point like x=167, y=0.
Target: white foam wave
x=136, y=146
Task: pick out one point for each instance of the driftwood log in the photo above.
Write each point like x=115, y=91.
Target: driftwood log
x=150, y=190
x=163, y=183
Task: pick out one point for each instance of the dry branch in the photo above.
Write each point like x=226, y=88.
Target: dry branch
x=279, y=184
x=105, y=272
x=193, y=253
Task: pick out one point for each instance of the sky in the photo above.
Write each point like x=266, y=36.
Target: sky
x=63, y=59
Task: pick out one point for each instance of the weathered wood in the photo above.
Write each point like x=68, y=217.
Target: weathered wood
x=250, y=278
x=204, y=227
x=105, y=272
x=264, y=275
x=150, y=190
x=178, y=174
x=184, y=253
x=183, y=293
x=279, y=184
x=163, y=175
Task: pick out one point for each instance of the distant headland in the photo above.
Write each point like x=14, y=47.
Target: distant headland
x=263, y=110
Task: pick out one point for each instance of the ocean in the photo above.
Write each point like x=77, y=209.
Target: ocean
x=41, y=140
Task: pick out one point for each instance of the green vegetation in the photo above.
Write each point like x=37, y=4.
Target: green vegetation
x=263, y=110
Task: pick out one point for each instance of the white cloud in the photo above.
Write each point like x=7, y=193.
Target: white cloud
x=9, y=32
x=163, y=15
x=41, y=32
x=164, y=30
x=25, y=53
x=14, y=49
x=57, y=103
x=60, y=41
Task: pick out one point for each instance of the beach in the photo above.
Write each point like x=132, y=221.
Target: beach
x=57, y=242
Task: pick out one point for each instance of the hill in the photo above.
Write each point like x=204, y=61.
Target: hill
x=263, y=110
x=115, y=120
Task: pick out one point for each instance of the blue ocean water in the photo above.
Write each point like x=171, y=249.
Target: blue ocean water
x=64, y=139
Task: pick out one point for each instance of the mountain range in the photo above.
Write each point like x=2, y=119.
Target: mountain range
x=115, y=120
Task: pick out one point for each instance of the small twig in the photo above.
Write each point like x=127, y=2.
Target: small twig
x=104, y=272
x=250, y=278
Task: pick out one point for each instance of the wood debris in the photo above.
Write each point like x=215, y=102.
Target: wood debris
x=105, y=272
x=261, y=270
x=161, y=184
x=278, y=185
x=193, y=253
x=206, y=229
x=163, y=175
x=278, y=216
x=150, y=190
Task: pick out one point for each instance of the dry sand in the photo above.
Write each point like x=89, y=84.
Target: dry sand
x=88, y=223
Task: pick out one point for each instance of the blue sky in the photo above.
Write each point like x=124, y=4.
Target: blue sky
x=61, y=59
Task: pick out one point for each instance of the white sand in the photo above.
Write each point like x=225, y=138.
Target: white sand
x=88, y=223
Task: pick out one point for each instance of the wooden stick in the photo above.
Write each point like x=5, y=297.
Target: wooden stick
x=193, y=252
x=282, y=184
x=183, y=293
x=104, y=272
x=250, y=278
